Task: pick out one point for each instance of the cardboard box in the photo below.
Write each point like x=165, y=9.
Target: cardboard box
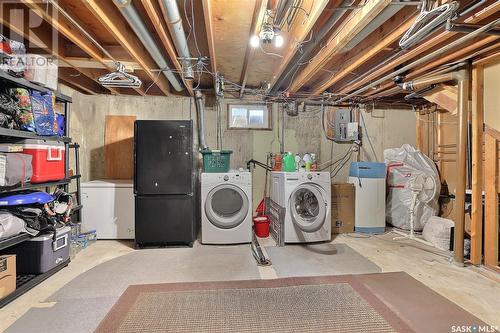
x=343, y=197
x=7, y=275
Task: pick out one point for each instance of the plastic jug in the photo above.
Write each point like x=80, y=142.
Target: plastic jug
x=288, y=162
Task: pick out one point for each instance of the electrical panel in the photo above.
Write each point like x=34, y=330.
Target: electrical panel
x=346, y=129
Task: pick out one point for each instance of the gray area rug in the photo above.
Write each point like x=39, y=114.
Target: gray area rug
x=84, y=301
x=319, y=259
x=303, y=308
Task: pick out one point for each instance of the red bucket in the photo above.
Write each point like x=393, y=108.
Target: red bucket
x=261, y=225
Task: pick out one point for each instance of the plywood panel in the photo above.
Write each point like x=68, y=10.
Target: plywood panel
x=119, y=147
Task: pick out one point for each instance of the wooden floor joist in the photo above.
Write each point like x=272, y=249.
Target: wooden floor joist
x=107, y=13
x=354, y=23
x=418, y=50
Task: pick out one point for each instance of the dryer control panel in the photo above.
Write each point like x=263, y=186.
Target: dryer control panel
x=229, y=177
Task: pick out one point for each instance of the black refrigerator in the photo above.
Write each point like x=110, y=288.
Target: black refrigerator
x=164, y=183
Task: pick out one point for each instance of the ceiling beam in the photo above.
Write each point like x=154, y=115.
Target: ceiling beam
x=107, y=13
x=419, y=49
x=82, y=81
x=354, y=23
x=374, y=49
x=76, y=86
x=158, y=23
x=42, y=38
x=300, y=37
x=207, y=14
x=62, y=24
x=258, y=16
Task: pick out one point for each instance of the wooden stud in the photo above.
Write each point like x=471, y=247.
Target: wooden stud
x=258, y=16
x=463, y=116
x=110, y=17
x=210, y=34
x=355, y=22
x=477, y=164
x=491, y=201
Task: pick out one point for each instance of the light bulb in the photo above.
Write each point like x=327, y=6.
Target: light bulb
x=254, y=41
x=279, y=41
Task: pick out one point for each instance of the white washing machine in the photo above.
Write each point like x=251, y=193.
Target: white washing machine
x=226, y=208
x=306, y=196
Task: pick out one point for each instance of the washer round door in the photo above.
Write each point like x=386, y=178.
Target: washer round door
x=308, y=207
x=226, y=206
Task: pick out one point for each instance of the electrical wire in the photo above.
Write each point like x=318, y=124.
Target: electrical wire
x=368, y=136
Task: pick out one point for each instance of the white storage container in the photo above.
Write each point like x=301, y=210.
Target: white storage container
x=369, y=180
x=108, y=208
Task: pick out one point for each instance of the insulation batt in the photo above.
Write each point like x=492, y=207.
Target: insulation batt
x=403, y=166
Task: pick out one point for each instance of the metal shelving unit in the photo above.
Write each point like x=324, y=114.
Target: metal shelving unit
x=26, y=282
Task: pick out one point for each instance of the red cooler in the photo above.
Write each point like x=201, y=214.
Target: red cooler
x=48, y=160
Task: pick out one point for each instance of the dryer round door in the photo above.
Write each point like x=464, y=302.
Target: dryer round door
x=308, y=207
x=226, y=206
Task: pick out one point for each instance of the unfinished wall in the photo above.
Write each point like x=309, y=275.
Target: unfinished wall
x=491, y=96
x=387, y=129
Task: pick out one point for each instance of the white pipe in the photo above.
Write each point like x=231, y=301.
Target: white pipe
x=137, y=24
x=174, y=21
x=200, y=111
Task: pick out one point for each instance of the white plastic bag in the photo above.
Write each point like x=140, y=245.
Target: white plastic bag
x=437, y=231
x=403, y=166
x=10, y=225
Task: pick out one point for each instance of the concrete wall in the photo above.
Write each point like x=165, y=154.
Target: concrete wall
x=387, y=129
x=491, y=96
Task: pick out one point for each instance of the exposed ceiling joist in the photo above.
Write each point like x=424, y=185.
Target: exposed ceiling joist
x=354, y=63
x=107, y=13
x=301, y=36
x=43, y=39
x=207, y=13
x=426, y=46
x=61, y=24
x=76, y=86
x=258, y=16
x=354, y=24
x=158, y=23
x=82, y=81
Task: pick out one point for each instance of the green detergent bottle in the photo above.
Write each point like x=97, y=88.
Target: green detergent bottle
x=288, y=162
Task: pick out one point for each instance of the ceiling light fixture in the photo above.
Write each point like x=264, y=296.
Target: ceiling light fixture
x=254, y=41
x=278, y=41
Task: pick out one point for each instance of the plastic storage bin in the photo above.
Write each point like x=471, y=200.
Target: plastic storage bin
x=41, y=254
x=48, y=160
x=216, y=160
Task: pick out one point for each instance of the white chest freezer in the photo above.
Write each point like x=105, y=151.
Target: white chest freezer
x=369, y=181
x=108, y=208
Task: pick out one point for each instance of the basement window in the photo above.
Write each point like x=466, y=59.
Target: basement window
x=249, y=117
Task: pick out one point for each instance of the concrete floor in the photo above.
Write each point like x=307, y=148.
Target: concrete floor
x=472, y=288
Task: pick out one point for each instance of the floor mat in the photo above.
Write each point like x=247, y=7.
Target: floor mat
x=281, y=306
x=382, y=302
x=319, y=259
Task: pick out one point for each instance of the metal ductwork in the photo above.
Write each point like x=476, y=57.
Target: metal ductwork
x=200, y=113
x=137, y=24
x=174, y=22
